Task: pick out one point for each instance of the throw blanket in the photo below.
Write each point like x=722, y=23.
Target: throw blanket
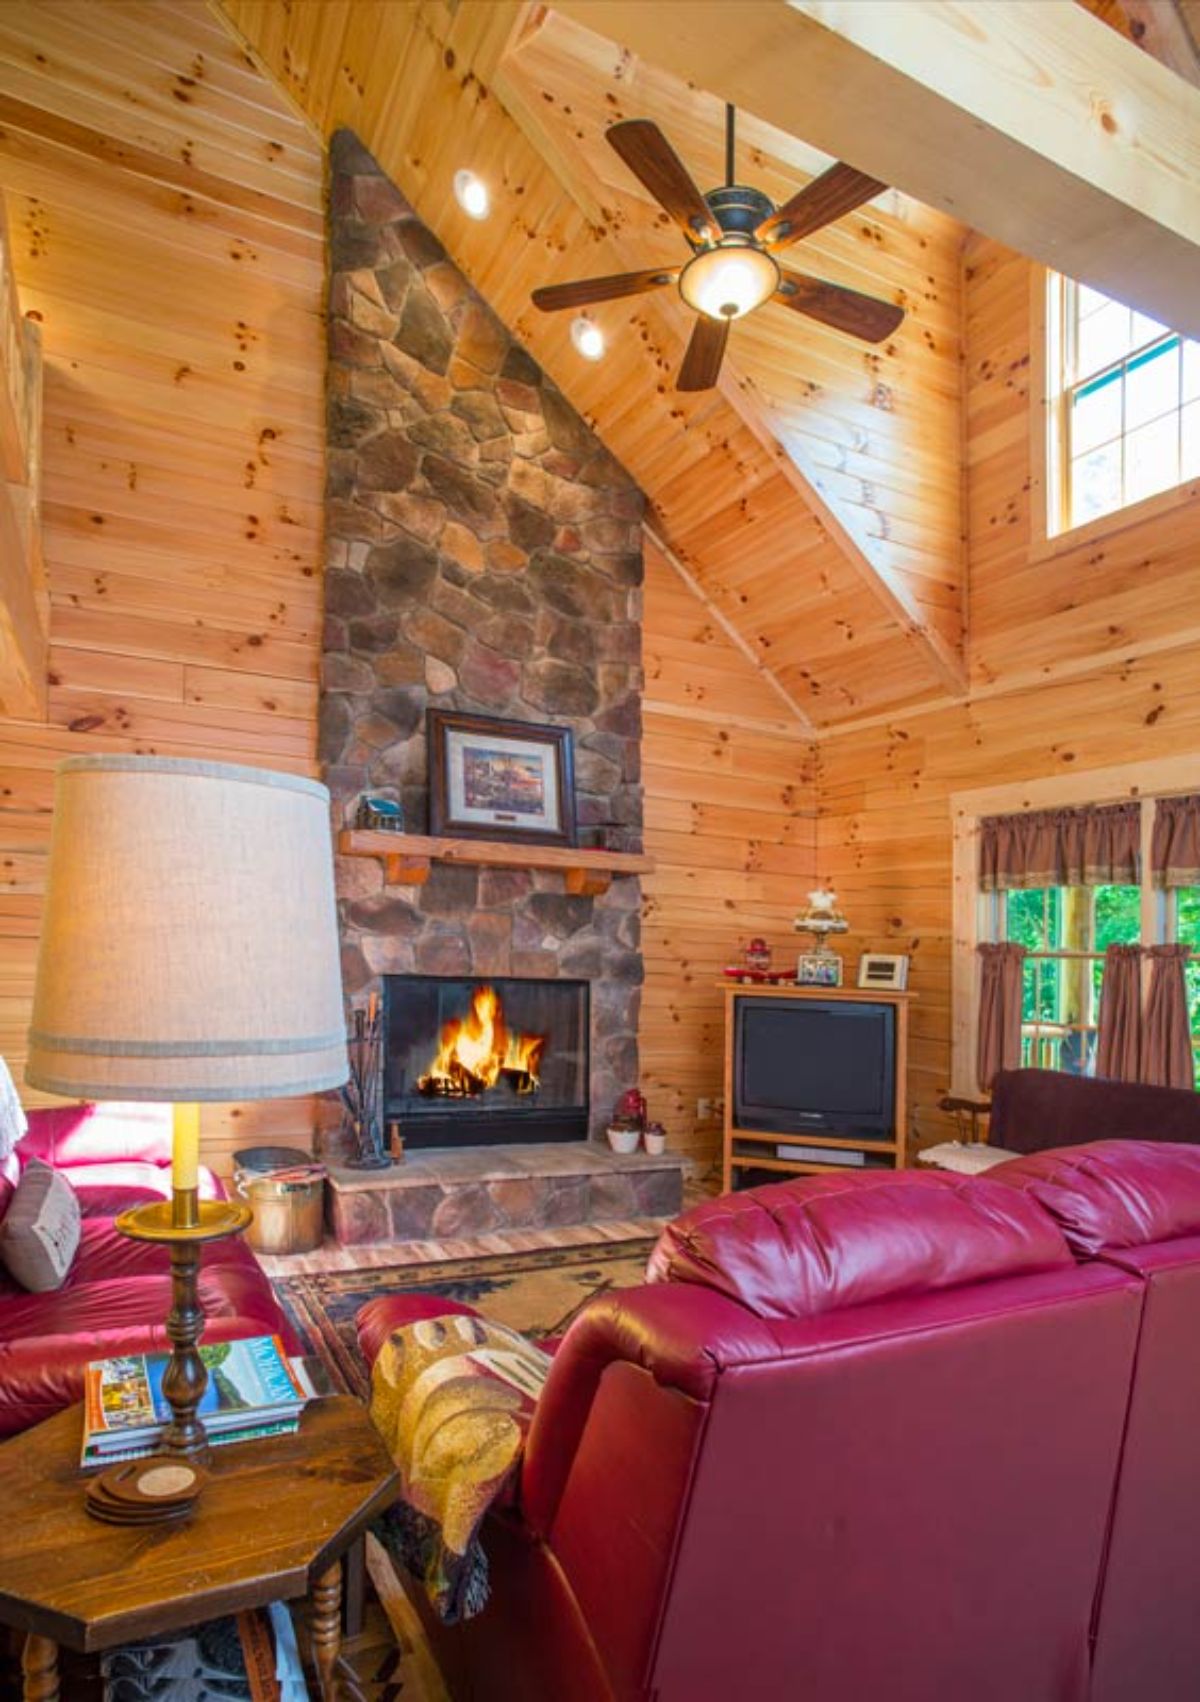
x=452, y=1399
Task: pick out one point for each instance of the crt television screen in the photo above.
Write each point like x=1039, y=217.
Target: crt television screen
x=807, y=1064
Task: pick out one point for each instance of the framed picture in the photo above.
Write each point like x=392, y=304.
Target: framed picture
x=818, y=969
x=879, y=969
x=496, y=779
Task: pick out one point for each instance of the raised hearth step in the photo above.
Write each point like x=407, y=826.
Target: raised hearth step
x=450, y=1192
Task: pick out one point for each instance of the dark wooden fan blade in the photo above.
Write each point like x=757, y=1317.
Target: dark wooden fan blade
x=556, y=296
x=705, y=351
x=654, y=162
x=862, y=316
x=838, y=190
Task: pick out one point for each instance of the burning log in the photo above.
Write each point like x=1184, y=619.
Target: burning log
x=476, y=1050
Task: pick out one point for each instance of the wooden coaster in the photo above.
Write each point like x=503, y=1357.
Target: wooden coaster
x=135, y=1492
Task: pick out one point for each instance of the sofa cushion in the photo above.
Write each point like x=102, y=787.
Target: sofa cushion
x=40, y=1232
x=1108, y=1195
x=797, y=1249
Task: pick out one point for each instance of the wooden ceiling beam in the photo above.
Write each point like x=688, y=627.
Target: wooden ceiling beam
x=1034, y=124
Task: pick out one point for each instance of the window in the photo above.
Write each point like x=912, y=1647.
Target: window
x=1066, y=931
x=1125, y=405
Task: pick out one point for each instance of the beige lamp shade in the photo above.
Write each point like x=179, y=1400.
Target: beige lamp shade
x=189, y=947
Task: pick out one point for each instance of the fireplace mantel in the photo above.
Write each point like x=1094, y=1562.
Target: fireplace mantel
x=408, y=858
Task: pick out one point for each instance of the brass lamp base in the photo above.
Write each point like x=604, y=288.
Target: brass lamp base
x=184, y=1223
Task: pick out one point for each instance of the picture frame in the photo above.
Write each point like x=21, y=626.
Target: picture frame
x=883, y=970
x=493, y=778
x=818, y=969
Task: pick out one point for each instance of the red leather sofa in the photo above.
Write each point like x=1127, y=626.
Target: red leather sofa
x=919, y=1437
x=118, y=1292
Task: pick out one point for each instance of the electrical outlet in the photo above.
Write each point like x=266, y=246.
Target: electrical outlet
x=704, y=1110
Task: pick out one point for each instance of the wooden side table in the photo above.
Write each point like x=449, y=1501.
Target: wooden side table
x=272, y=1524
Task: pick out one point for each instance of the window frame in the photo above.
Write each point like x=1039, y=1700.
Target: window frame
x=1142, y=783
x=1051, y=535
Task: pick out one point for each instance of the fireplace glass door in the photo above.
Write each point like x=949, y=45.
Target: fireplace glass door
x=476, y=1062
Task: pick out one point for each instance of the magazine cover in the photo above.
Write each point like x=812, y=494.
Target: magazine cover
x=124, y=1395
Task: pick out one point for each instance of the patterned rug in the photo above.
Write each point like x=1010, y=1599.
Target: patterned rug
x=538, y=1293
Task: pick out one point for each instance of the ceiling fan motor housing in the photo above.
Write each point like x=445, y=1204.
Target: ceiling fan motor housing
x=739, y=209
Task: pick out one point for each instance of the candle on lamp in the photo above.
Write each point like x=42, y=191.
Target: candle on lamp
x=185, y=1147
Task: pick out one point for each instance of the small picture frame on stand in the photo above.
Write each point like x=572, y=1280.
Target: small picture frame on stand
x=818, y=969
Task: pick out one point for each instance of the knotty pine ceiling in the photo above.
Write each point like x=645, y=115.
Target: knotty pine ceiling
x=816, y=497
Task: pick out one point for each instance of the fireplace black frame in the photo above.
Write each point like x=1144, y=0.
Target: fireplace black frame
x=465, y=1124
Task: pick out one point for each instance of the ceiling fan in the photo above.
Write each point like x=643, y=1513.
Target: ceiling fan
x=734, y=234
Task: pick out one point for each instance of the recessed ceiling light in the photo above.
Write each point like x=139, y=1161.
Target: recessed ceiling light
x=471, y=193
x=587, y=337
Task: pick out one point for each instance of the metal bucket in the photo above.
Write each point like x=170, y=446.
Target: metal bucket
x=289, y=1216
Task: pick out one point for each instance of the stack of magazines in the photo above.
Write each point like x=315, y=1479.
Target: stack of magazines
x=253, y=1389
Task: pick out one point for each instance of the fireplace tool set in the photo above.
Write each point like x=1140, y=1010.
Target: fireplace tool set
x=362, y=1094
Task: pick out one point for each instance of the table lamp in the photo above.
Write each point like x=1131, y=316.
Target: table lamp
x=189, y=953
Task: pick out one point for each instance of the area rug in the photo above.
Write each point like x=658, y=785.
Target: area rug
x=538, y=1293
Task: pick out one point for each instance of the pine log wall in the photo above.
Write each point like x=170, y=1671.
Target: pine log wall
x=1081, y=659
x=166, y=213
x=730, y=819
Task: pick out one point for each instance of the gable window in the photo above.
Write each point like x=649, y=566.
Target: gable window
x=1125, y=405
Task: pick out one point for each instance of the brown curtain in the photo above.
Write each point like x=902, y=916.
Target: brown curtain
x=1167, y=1038
x=1002, y=973
x=1175, y=847
x=1119, y=1046
x=1095, y=846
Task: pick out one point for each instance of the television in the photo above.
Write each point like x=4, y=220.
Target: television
x=809, y=1065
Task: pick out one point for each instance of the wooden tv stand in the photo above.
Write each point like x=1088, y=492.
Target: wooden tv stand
x=740, y=1144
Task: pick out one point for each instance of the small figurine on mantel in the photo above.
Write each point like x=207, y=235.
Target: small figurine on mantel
x=821, y=967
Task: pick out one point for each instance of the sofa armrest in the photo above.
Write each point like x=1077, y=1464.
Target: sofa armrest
x=98, y=1134
x=681, y=1334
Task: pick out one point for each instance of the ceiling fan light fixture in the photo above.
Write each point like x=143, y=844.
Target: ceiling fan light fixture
x=588, y=338
x=471, y=193
x=729, y=281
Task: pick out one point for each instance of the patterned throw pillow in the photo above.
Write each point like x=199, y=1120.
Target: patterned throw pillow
x=40, y=1232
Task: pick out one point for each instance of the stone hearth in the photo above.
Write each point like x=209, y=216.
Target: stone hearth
x=445, y=1194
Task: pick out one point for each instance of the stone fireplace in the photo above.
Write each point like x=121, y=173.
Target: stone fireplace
x=483, y=554
x=479, y=1063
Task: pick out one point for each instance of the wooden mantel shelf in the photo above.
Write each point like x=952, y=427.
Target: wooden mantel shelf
x=408, y=858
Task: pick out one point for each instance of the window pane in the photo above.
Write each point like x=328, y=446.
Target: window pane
x=1096, y=483
x=1096, y=413
x=1191, y=370
x=1090, y=300
x=1145, y=329
x=1152, y=385
x=1189, y=465
x=1152, y=458
x=1025, y=920
x=1118, y=916
x=1104, y=336
x=1187, y=915
x=1191, y=975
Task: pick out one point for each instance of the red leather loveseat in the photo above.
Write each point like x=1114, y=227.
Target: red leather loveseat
x=915, y=1437
x=118, y=1292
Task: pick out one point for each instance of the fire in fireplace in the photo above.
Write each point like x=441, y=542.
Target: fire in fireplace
x=475, y=1051
x=478, y=1062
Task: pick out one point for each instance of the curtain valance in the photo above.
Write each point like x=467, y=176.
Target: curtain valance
x=1099, y=845
x=1175, y=847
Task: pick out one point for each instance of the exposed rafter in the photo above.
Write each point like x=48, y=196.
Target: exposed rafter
x=731, y=632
